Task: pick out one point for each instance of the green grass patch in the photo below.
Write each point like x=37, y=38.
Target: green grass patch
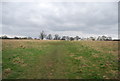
x=57, y=60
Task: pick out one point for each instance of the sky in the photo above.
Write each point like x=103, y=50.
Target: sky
x=82, y=19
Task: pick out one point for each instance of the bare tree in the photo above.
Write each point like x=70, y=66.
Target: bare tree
x=71, y=38
x=109, y=38
x=99, y=38
x=104, y=38
x=56, y=37
x=67, y=38
x=63, y=38
x=49, y=37
x=42, y=35
x=16, y=37
x=4, y=37
x=77, y=38
x=92, y=38
x=29, y=38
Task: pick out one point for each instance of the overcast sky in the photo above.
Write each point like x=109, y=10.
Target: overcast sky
x=64, y=18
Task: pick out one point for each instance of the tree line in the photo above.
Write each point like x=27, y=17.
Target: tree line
x=6, y=37
x=44, y=36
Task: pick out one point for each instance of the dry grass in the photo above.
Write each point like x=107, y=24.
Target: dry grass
x=103, y=46
x=59, y=59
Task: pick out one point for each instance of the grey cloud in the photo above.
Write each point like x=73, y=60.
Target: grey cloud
x=89, y=18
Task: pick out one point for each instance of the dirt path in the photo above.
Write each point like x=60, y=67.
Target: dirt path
x=55, y=62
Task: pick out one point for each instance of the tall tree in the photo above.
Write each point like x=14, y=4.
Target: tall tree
x=109, y=38
x=63, y=38
x=56, y=37
x=104, y=37
x=42, y=35
x=5, y=37
x=99, y=38
x=77, y=38
x=71, y=38
x=92, y=38
x=67, y=38
x=29, y=37
x=49, y=37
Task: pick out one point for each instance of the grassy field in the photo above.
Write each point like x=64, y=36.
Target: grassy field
x=36, y=59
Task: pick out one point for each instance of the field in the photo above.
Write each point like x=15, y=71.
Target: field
x=37, y=59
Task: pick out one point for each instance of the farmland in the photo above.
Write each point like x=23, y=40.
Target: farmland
x=37, y=59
